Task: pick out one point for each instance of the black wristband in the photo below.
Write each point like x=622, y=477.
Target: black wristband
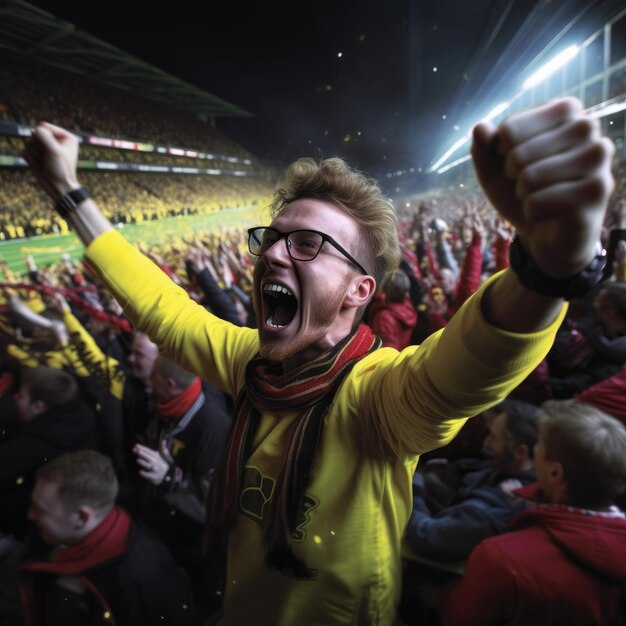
x=169, y=480
x=529, y=274
x=70, y=201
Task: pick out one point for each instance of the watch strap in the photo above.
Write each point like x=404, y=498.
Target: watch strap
x=529, y=274
x=68, y=203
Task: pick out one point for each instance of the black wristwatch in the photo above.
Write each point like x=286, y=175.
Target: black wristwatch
x=70, y=201
x=529, y=274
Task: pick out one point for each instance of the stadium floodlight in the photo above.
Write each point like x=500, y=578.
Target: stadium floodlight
x=445, y=168
x=451, y=150
x=552, y=66
x=500, y=108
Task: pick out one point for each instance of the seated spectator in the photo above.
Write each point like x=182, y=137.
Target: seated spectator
x=138, y=395
x=102, y=567
x=564, y=560
x=604, y=347
x=609, y=336
x=185, y=444
x=474, y=500
x=391, y=315
x=52, y=420
x=609, y=395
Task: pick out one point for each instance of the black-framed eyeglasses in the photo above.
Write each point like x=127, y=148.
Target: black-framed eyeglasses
x=302, y=245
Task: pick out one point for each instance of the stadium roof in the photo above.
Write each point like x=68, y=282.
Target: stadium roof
x=36, y=34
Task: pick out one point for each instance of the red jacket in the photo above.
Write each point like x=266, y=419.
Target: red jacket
x=609, y=395
x=393, y=322
x=469, y=280
x=501, y=253
x=557, y=566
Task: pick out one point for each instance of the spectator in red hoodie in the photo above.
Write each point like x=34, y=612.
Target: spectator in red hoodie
x=392, y=316
x=564, y=560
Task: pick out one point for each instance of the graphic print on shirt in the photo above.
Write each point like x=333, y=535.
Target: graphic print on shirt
x=256, y=493
x=176, y=447
x=310, y=503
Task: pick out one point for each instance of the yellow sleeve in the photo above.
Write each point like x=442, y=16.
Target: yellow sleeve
x=418, y=399
x=186, y=332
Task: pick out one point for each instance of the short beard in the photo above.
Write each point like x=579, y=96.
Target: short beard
x=324, y=316
x=273, y=353
x=280, y=353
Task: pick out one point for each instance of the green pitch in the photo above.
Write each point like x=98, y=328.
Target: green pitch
x=48, y=249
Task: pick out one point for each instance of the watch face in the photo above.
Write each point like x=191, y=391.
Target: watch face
x=78, y=195
x=70, y=201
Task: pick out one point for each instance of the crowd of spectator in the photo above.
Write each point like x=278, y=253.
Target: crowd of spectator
x=13, y=146
x=69, y=101
x=83, y=396
x=59, y=317
x=127, y=196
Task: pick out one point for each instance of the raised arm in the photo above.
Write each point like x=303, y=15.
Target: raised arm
x=548, y=172
x=52, y=154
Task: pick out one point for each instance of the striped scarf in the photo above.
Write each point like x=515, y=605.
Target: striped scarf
x=310, y=390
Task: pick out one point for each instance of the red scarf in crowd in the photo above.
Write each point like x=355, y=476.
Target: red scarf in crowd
x=107, y=541
x=310, y=390
x=174, y=408
x=103, y=543
x=6, y=383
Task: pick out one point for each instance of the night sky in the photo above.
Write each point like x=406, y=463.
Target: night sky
x=354, y=79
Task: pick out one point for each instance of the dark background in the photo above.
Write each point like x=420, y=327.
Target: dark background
x=380, y=104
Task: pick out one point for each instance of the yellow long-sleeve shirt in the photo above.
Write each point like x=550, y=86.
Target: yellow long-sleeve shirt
x=392, y=407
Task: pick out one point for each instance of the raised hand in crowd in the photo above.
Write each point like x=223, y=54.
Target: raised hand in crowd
x=195, y=258
x=57, y=303
x=54, y=329
x=500, y=228
x=478, y=227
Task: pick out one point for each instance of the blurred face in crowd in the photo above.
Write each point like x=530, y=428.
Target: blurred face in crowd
x=97, y=326
x=162, y=390
x=544, y=470
x=603, y=307
x=142, y=357
x=27, y=409
x=301, y=305
x=498, y=442
x=56, y=525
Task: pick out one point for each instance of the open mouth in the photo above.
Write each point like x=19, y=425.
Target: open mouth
x=279, y=304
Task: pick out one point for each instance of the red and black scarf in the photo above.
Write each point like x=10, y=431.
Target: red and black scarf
x=309, y=389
